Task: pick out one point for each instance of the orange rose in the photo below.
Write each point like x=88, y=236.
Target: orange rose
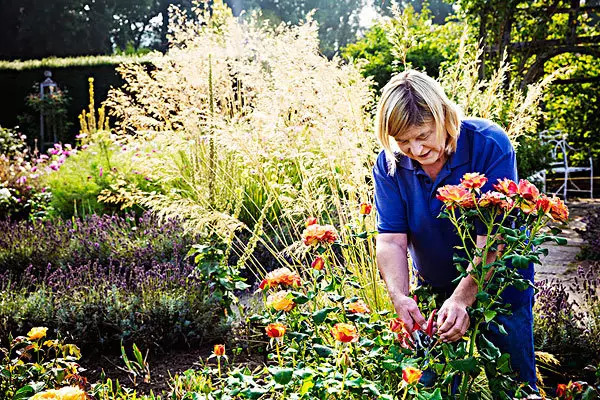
x=528, y=191
x=219, y=350
x=345, y=333
x=578, y=387
x=318, y=234
x=558, y=210
x=310, y=221
x=453, y=195
x=405, y=340
x=473, y=180
x=281, y=276
x=561, y=389
x=396, y=325
x=275, y=330
x=543, y=204
x=358, y=307
x=365, y=208
x=507, y=187
x=411, y=375
x=318, y=263
x=280, y=301
x=495, y=199
x=528, y=207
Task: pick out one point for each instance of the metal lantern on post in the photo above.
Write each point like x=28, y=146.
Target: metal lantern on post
x=47, y=133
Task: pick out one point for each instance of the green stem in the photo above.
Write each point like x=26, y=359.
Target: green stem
x=465, y=381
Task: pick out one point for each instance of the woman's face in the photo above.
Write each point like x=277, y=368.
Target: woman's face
x=421, y=144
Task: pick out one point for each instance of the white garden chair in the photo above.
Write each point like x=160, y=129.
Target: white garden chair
x=559, y=152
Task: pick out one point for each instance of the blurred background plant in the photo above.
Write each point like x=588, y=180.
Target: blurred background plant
x=590, y=248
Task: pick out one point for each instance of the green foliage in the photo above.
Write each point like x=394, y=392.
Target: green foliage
x=31, y=364
x=430, y=45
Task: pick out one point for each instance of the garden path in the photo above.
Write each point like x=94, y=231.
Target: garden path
x=561, y=263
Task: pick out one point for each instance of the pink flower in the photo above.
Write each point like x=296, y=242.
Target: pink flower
x=101, y=171
x=21, y=180
x=473, y=180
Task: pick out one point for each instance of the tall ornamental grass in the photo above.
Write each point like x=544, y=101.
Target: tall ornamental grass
x=252, y=130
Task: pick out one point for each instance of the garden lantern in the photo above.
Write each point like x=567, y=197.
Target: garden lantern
x=47, y=123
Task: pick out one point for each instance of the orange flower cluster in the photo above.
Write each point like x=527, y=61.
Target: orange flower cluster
x=275, y=330
x=281, y=276
x=219, y=350
x=456, y=195
x=568, y=392
x=508, y=195
x=411, y=375
x=280, y=301
x=318, y=263
x=315, y=234
x=345, y=333
x=496, y=199
x=365, y=208
x=473, y=180
x=358, y=307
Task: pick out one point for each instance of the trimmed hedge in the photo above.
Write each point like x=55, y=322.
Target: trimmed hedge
x=18, y=77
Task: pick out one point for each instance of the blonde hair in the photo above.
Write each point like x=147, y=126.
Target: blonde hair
x=412, y=98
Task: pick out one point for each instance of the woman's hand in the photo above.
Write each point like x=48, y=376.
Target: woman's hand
x=408, y=311
x=453, y=320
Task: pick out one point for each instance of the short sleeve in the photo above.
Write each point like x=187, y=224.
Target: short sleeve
x=391, y=208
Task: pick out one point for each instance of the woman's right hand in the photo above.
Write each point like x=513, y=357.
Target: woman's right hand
x=408, y=311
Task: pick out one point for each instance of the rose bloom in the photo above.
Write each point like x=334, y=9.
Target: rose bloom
x=561, y=389
x=219, y=350
x=405, y=340
x=275, y=330
x=528, y=191
x=47, y=395
x=455, y=194
x=528, y=207
x=411, y=375
x=71, y=393
x=345, y=333
x=310, y=221
x=317, y=234
x=473, y=180
x=543, y=204
x=558, y=210
x=358, y=307
x=495, y=199
x=37, y=333
x=507, y=187
x=279, y=301
x=396, y=325
x=318, y=263
x=365, y=208
x=281, y=276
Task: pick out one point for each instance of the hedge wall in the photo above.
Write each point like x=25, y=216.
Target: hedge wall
x=17, y=80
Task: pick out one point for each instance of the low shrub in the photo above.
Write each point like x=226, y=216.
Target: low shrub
x=44, y=251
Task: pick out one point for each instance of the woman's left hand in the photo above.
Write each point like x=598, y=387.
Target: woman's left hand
x=453, y=320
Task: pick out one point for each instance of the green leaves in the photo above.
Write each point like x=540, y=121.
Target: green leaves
x=467, y=365
x=283, y=376
x=488, y=315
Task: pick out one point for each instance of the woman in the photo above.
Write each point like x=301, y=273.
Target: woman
x=437, y=147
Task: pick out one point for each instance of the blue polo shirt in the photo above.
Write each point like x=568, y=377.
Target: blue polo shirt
x=406, y=201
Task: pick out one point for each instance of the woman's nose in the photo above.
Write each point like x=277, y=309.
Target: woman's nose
x=416, y=147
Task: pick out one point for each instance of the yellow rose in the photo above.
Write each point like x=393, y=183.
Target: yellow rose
x=47, y=395
x=71, y=393
x=37, y=333
x=280, y=301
